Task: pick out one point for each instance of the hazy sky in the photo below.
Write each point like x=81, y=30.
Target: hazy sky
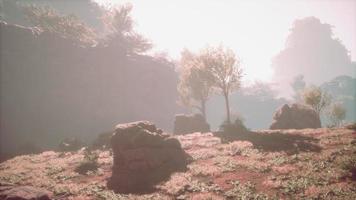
x=255, y=29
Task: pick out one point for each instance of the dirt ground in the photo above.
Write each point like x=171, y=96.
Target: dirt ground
x=290, y=164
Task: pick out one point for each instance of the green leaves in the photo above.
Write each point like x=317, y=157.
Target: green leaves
x=66, y=26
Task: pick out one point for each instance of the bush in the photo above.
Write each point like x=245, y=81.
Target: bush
x=89, y=163
x=336, y=114
x=234, y=128
x=349, y=165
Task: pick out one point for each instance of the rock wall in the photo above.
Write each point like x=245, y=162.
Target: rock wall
x=52, y=89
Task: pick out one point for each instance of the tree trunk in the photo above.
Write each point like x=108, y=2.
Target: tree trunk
x=226, y=95
x=203, y=108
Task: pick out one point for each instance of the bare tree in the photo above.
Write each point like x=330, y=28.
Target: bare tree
x=225, y=70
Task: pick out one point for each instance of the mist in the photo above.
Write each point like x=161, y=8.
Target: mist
x=86, y=79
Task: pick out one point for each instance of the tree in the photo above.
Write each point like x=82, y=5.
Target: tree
x=119, y=24
x=225, y=71
x=66, y=26
x=313, y=50
x=298, y=86
x=195, y=85
x=336, y=114
x=316, y=98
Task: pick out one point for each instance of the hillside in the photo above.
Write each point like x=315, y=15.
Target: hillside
x=52, y=89
x=302, y=164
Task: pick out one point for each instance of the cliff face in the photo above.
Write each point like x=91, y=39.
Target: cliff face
x=51, y=88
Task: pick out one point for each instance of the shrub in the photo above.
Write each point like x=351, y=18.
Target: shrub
x=89, y=163
x=349, y=164
x=336, y=114
x=316, y=98
x=234, y=128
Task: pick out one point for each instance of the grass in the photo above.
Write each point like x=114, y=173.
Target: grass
x=312, y=164
x=245, y=191
x=89, y=164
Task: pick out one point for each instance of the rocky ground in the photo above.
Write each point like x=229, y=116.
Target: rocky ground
x=291, y=164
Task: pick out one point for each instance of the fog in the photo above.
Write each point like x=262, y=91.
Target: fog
x=53, y=87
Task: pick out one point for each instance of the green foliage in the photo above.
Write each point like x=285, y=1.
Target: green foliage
x=213, y=68
x=316, y=98
x=195, y=83
x=122, y=35
x=237, y=127
x=244, y=191
x=296, y=185
x=349, y=165
x=90, y=162
x=69, y=27
x=336, y=114
x=225, y=71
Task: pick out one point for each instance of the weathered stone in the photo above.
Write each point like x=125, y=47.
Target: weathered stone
x=295, y=116
x=10, y=192
x=185, y=124
x=143, y=157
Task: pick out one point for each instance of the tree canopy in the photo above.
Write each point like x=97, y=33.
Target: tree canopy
x=119, y=24
x=225, y=70
x=316, y=98
x=67, y=26
x=195, y=83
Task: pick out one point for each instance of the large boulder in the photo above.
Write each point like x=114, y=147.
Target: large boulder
x=143, y=157
x=185, y=124
x=295, y=116
x=10, y=192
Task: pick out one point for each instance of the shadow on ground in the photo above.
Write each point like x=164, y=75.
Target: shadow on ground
x=274, y=141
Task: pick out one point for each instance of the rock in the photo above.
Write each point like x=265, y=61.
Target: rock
x=40, y=62
x=70, y=144
x=10, y=192
x=143, y=157
x=295, y=116
x=185, y=124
